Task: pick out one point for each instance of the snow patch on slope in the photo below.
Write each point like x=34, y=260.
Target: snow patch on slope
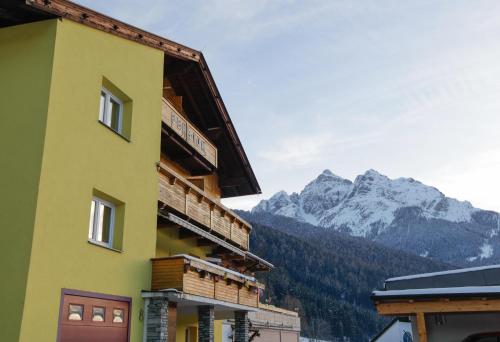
x=365, y=206
x=486, y=251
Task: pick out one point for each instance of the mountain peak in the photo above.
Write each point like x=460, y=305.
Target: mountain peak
x=373, y=173
x=401, y=212
x=328, y=176
x=281, y=193
x=367, y=206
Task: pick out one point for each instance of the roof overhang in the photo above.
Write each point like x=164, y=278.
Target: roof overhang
x=236, y=175
x=447, y=292
x=203, y=103
x=16, y=12
x=437, y=300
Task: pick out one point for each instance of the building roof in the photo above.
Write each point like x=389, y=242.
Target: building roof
x=460, y=283
x=448, y=292
x=466, y=277
x=238, y=177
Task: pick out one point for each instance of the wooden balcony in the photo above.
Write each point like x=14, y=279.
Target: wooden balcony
x=198, y=277
x=183, y=197
x=190, y=137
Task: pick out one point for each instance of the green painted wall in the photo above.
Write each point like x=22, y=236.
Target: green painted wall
x=25, y=70
x=185, y=321
x=168, y=243
x=81, y=156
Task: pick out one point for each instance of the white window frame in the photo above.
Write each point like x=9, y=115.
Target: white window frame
x=94, y=221
x=105, y=114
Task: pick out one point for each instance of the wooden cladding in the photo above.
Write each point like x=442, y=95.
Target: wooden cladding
x=181, y=195
x=196, y=277
x=188, y=132
x=440, y=305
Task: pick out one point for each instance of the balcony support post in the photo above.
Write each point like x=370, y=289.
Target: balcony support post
x=206, y=323
x=156, y=327
x=241, y=326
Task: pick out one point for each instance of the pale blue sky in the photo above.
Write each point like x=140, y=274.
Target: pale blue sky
x=409, y=88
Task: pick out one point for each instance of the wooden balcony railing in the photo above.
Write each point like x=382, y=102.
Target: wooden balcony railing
x=184, y=197
x=198, y=277
x=188, y=132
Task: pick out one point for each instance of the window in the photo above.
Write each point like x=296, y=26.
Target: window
x=98, y=314
x=111, y=111
x=75, y=312
x=118, y=316
x=102, y=220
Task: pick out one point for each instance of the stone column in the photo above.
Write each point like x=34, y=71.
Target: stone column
x=241, y=326
x=206, y=323
x=157, y=320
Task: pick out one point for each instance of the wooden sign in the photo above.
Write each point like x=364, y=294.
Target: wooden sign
x=188, y=132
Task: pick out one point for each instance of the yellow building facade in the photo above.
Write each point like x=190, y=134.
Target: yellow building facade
x=117, y=149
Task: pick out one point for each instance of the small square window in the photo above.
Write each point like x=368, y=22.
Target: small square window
x=118, y=315
x=75, y=312
x=98, y=314
x=102, y=219
x=111, y=111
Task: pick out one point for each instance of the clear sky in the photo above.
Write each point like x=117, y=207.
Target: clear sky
x=408, y=88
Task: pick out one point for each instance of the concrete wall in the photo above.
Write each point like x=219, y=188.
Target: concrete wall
x=456, y=327
x=26, y=57
x=81, y=156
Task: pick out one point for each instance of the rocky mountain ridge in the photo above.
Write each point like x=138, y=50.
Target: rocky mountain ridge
x=402, y=213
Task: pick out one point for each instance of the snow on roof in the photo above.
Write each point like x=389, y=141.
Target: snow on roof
x=443, y=291
x=244, y=276
x=457, y=271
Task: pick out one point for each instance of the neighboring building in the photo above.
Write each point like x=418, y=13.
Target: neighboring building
x=269, y=324
x=398, y=330
x=116, y=150
x=451, y=306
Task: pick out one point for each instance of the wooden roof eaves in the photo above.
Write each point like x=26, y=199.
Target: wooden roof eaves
x=228, y=122
x=86, y=16
x=91, y=18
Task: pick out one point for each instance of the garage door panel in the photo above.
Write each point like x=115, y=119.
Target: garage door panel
x=84, y=333
x=85, y=319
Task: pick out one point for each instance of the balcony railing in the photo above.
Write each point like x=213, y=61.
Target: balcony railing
x=184, y=197
x=188, y=132
x=198, y=277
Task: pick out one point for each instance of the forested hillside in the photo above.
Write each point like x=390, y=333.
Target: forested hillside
x=328, y=276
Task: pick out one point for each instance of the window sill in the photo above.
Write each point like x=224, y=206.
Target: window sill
x=98, y=244
x=116, y=132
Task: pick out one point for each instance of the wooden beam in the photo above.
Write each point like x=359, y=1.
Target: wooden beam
x=172, y=321
x=422, y=329
x=438, y=306
x=88, y=17
x=188, y=92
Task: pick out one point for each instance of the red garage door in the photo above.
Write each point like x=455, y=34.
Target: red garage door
x=91, y=319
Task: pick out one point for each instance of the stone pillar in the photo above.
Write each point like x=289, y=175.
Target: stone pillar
x=157, y=320
x=241, y=326
x=206, y=323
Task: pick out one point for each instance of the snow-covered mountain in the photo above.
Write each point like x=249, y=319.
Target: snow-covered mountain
x=402, y=213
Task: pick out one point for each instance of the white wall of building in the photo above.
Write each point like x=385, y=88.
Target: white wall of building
x=456, y=327
x=396, y=333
